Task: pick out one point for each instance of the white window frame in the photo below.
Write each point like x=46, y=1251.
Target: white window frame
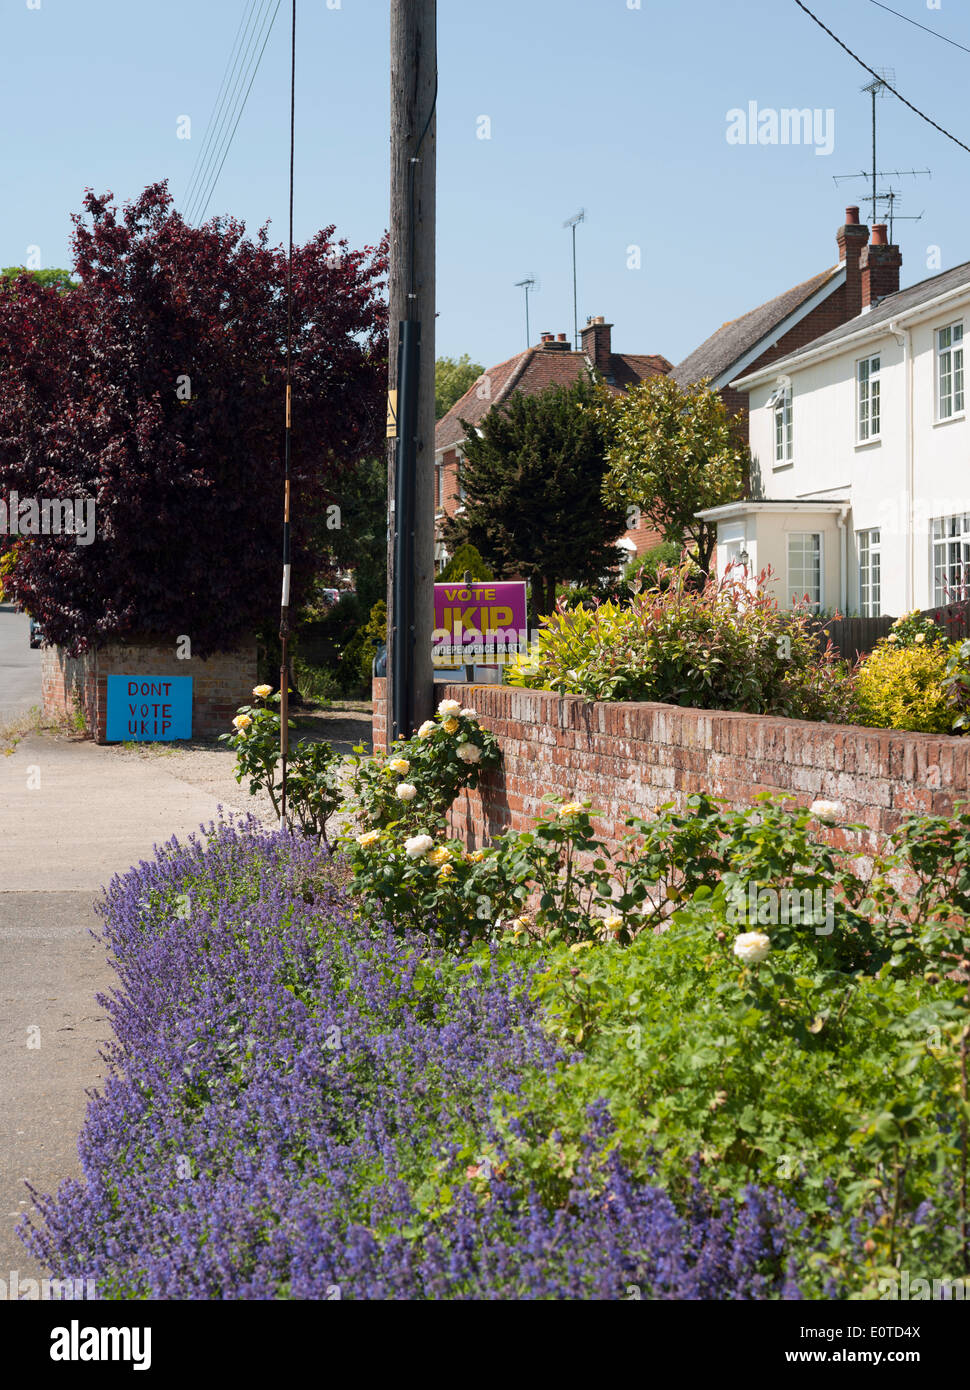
x=798, y=590
x=869, y=543
x=950, y=551
x=951, y=387
x=868, y=399
x=783, y=426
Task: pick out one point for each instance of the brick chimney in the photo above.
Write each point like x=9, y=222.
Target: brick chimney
x=552, y=344
x=852, y=239
x=880, y=268
x=597, y=339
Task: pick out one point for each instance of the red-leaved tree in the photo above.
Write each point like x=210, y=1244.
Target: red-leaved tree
x=156, y=388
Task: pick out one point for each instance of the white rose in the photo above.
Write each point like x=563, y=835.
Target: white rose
x=921, y=637
x=752, y=946
x=399, y=765
x=469, y=752
x=449, y=708
x=469, y=713
x=426, y=728
x=405, y=791
x=418, y=846
x=827, y=811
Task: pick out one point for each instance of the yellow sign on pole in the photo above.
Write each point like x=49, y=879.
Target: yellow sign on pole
x=392, y=415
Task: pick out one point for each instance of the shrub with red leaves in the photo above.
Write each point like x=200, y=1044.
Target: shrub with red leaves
x=156, y=389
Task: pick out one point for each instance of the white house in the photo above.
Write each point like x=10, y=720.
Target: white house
x=861, y=453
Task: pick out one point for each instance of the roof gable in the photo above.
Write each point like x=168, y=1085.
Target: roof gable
x=723, y=351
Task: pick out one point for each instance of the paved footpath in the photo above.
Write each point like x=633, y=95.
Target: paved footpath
x=92, y=815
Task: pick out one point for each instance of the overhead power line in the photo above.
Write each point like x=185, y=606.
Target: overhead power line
x=922, y=114
x=228, y=124
x=925, y=27
x=217, y=107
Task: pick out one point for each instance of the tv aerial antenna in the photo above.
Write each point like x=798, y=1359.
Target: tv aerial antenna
x=530, y=283
x=572, y=223
x=877, y=88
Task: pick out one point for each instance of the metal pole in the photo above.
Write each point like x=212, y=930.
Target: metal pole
x=285, y=600
x=575, y=297
x=528, y=336
x=875, y=166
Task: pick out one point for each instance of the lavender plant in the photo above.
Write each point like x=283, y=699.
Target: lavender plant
x=293, y=1088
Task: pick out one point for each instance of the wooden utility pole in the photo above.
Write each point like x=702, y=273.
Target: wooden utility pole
x=410, y=600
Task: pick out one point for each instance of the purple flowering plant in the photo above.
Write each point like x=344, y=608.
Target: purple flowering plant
x=302, y=1104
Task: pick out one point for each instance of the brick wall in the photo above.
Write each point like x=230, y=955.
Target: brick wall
x=630, y=758
x=220, y=684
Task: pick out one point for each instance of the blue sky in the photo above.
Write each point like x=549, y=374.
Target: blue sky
x=592, y=103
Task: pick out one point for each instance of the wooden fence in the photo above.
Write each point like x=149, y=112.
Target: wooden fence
x=855, y=637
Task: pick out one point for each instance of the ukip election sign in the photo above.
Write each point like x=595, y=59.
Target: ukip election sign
x=478, y=623
x=150, y=709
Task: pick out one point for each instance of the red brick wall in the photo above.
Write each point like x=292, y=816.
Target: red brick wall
x=220, y=685
x=630, y=758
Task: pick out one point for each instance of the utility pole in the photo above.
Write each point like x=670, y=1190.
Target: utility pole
x=411, y=358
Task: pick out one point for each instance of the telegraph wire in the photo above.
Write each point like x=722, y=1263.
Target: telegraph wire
x=214, y=116
x=229, y=120
x=203, y=198
x=925, y=28
x=922, y=114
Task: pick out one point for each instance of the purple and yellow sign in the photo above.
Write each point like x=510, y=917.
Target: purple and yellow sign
x=478, y=622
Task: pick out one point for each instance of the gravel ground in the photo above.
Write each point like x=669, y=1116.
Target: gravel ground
x=210, y=766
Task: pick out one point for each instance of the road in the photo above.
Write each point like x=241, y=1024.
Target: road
x=19, y=666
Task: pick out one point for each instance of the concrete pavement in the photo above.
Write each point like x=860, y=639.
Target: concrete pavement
x=71, y=816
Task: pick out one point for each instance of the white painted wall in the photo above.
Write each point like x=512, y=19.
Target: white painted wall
x=828, y=461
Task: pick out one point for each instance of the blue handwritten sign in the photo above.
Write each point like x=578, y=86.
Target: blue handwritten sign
x=150, y=709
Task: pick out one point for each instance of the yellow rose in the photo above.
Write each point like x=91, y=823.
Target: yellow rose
x=476, y=856
x=242, y=722
x=440, y=855
x=261, y=691
x=446, y=870
x=450, y=726
x=571, y=808
x=369, y=837
x=400, y=765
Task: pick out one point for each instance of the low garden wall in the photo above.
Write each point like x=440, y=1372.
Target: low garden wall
x=219, y=685
x=630, y=758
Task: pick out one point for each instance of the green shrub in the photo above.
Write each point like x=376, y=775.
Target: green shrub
x=720, y=646
x=807, y=1080
x=466, y=557
x=904, y=688
x=655, y=564
x=372, y=635
x=956, y=685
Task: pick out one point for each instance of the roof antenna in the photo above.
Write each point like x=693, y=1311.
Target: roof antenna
x=529, y=283
x=880, y=86
x=574, y=222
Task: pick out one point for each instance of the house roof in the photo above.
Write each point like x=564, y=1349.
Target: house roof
x=734, y=340
x=533, y=371
x=887, y=309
